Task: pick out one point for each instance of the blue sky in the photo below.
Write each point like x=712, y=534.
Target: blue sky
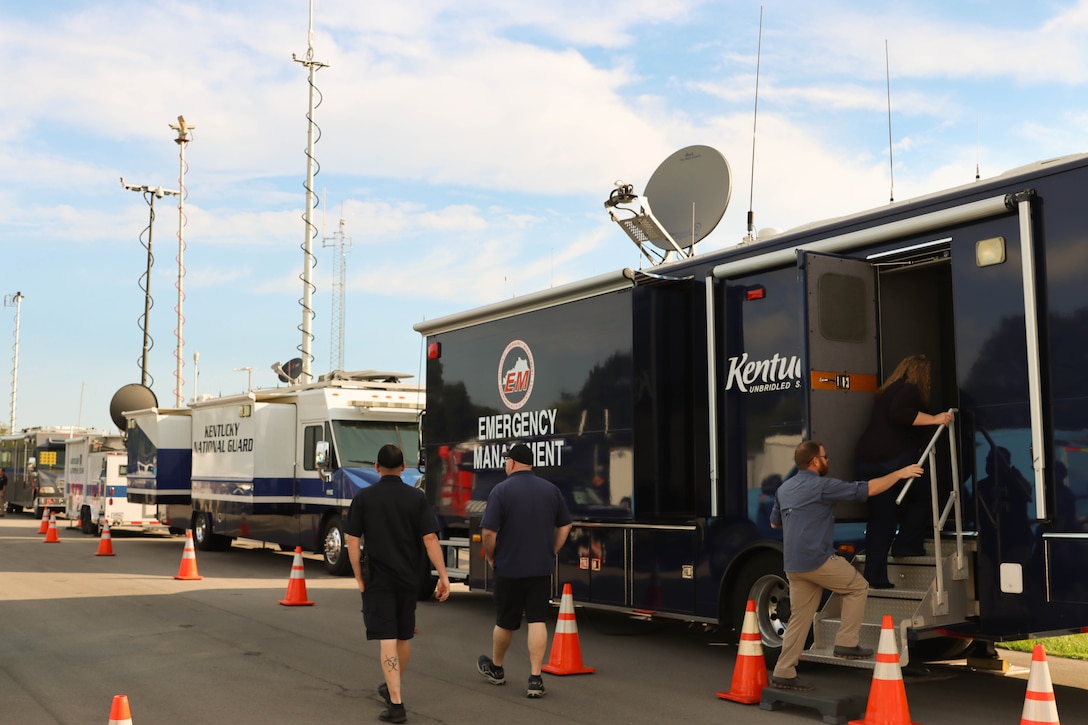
x=468, y=147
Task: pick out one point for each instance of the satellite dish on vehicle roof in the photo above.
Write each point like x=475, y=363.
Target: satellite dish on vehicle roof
x=688, y=193
x=133, y=396
x=289, y=371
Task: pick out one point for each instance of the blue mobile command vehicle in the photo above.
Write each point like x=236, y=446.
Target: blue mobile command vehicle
x=666, y=404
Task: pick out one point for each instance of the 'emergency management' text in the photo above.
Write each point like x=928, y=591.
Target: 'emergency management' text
x=528, y=424
x=531, y=423
x=545, y=453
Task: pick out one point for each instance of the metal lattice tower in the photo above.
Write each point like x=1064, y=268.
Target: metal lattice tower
x=342, y=244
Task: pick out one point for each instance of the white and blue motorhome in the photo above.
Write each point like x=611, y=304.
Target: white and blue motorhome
x=96, y=487
x=278, y=465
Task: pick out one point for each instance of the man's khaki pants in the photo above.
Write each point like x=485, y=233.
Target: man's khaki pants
x=806, y=589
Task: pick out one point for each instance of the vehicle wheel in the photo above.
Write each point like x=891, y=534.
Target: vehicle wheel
x=762, y=580
x=335, y=548
x=939, y=648
x=38, y=512
x=202, y=538
x=86, y=524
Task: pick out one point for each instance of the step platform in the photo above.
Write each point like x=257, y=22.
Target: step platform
x=835, y=710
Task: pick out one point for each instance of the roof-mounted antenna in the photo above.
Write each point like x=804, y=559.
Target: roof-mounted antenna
x=978, y=147
x=891, y=162
x=755, y=115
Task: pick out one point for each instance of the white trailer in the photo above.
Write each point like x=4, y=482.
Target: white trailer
x=96, y=487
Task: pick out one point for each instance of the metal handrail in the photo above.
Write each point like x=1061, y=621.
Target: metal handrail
x=940, y=603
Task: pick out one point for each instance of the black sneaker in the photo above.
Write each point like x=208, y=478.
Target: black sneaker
x=791, y=683
x=490, y=670
x=536, y=686
x=393, y=713
x=383, y=690
x=852, y=653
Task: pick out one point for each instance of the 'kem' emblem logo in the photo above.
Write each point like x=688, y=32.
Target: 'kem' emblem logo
x=517, y=373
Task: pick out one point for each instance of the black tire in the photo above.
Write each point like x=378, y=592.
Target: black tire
x=204, y=537
x=202, y=532
x=763, y=580
x=86, y=524
x=335, y=547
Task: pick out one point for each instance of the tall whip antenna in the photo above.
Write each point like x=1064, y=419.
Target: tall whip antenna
x=308, y=259
x=755, y=116
x=891, y=162
x=978, y=147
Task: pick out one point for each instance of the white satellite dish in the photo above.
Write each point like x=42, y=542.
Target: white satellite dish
x=685, y=199
x=689, y=193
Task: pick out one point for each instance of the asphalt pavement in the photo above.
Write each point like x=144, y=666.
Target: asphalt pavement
x=77, y=629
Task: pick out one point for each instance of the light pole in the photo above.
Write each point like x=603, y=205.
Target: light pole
x=249, y=382
x=16, y=301
x=150, y=194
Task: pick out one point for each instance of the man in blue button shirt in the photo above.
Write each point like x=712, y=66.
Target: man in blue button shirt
x=804, y=507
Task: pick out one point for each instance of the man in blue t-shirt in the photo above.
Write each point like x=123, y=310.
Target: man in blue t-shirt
x=804, y=507
x=525, y=524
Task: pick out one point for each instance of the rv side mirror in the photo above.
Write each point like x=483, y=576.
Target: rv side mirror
x=321, y=454
x=31, y=462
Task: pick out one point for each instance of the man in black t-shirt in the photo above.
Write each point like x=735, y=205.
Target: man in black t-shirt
x=3, y=492
x=397, y=525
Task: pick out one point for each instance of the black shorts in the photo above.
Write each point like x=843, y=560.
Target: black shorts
x=529, y=596
x=389, y=614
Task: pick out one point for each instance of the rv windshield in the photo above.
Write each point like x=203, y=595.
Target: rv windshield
x=357, y=442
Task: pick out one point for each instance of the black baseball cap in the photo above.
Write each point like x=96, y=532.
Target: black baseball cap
x=521, y=453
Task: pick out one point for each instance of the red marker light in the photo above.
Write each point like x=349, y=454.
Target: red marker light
x=434, y=350
x=756, y=293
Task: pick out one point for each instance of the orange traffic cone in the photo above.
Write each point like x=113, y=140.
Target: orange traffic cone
x=119, y=712
x=51, y=534
x=105, y=544
x=187, y=570
x=296, y=585
x=887, y=696
x=750, y=670
x=44, y=526
x=1039, y=705
x=566, y=655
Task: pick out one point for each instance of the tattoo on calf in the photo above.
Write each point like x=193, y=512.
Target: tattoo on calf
x=391, y=663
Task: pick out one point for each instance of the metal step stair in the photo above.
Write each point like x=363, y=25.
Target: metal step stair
x=916, y=603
